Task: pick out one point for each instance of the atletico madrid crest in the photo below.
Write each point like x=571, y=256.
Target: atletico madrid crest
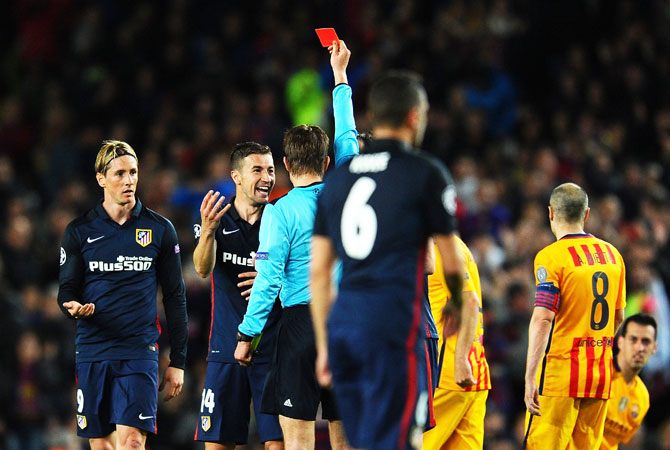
x=143, y=237
x=81, y=421
x=205, y=423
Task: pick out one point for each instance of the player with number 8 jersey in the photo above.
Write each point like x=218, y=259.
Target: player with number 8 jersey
x=578, y=362
x=579, y=303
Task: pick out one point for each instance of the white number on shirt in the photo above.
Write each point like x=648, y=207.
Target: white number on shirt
x=359, y=221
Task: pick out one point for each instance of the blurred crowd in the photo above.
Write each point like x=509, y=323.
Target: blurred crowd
x=524, y=95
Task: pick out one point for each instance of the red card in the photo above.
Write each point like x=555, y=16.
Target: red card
x=326, y=36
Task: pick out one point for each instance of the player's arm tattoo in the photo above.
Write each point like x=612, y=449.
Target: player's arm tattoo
x=455, y=284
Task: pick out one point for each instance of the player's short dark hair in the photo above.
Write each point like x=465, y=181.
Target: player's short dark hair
x=244, y=149
x=393, y=96
x=306, y=149
x=640, y=319
x=569, y=202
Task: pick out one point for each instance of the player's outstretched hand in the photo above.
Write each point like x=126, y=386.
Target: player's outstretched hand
x=211, y=211
x=532, y=398
x=243, y=353
x=251, y=276
x=174, y=378
x=79, y=311
x=323, y=374
x=339, y=59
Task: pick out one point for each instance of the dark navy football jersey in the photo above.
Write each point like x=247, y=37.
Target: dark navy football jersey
x=118, y=268
x=379, y=210
x=236, y=245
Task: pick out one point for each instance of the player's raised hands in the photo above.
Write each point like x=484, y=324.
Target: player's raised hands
x=211, y=211
x=79, y=311
x=339, y=59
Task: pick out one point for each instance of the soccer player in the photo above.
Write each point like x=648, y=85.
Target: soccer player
x=282, y=262
x=459, y=408
x=581, y=293
x=376, y=214
x=111, y=261
x=227, y=240
x=629, y=400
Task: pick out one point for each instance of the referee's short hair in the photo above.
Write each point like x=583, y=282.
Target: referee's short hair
x=393, y=96
x=306, y=149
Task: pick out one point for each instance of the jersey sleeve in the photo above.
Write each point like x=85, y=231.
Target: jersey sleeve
x=547, y=293
x=439, y=200
x=346, y=136
x=271, y=260
x=169, y=274
x=71, y=276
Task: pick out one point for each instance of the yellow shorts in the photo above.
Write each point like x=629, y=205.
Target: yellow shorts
x=460, y=420
x=567, y=423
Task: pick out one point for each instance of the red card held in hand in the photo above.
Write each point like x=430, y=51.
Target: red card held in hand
x=326, y=36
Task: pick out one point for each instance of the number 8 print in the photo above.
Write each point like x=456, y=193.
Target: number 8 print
x=599, y=298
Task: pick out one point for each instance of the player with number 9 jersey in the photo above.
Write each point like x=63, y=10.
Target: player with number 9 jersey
x=582, y=279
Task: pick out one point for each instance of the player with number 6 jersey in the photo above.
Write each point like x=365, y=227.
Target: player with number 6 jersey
x=378, y=226
x=579, y=303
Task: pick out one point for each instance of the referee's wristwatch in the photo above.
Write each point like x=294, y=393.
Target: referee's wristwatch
x=241, y=337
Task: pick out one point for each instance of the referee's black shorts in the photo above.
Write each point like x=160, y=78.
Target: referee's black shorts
x=291, y=389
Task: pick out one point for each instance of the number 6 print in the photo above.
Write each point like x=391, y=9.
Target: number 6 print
x=359, y=220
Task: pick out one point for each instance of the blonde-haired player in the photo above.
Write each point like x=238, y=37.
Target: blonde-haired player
x=459, y=406
x=579, y=303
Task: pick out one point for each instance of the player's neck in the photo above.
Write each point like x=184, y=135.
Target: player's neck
x=628, y=372
x=402, y=134
x=305, y=179
x=247, y=211
x=563, y=229
x=119, y=213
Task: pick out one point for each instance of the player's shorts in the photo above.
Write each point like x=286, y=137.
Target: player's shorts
x=224, y=408
x=378, y=389
x=460, y=420
x=116, y=392
x=291, y=388
x=566, y=422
